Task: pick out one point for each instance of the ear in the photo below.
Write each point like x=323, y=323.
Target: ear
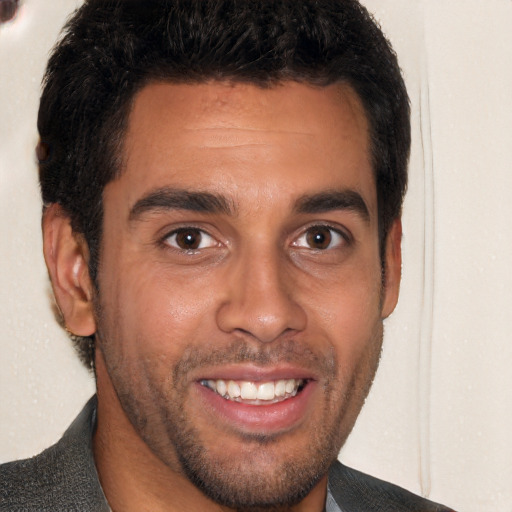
x=67, y=256
x=392, y=268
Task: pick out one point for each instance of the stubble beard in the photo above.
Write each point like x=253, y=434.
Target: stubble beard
x=241, y=484
x=257, y=481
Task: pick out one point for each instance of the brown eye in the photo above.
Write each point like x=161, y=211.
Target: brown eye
x=320, y=238
x=190, y=239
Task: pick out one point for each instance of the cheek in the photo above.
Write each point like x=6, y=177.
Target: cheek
x=347, y=310
x=159, y=312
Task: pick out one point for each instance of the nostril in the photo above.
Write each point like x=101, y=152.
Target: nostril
x=8, y=9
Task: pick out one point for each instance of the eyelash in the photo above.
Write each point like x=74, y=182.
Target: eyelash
x=165, y=241
x=344, y=238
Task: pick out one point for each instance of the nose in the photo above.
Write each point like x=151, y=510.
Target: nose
x=260, y=300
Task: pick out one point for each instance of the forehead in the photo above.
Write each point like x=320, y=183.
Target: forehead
x=228, y=104
x=226, y=137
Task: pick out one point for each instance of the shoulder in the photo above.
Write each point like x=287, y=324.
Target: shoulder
x=354, y=491
x=63, y=477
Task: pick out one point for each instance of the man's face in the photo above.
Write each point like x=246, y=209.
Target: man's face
x=240, y=298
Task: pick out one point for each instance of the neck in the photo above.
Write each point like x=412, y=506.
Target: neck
x=133, y=478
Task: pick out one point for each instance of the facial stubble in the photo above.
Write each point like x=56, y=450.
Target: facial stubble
x=257, y=480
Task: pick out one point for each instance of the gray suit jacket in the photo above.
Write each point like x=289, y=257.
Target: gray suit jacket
x=64, y=478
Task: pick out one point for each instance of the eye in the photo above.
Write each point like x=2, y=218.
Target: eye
x=320, y=238
x=190, y=239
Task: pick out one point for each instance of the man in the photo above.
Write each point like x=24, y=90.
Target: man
x=222, y=186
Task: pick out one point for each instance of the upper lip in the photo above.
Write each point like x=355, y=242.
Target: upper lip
x=254, y=373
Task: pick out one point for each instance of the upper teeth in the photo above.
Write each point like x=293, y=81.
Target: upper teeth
x=247, y=390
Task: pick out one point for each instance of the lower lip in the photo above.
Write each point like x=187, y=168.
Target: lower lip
x=260, y=419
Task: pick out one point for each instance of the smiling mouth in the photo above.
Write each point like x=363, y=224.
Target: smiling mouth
x=256, y=393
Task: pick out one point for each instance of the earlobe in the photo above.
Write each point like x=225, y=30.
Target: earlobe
x=66, y=255
x=393, y=268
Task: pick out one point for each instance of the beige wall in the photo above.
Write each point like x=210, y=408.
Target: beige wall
x=439, y=418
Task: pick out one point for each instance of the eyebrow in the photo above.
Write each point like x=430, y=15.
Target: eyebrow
x=206, y=202
x=333, y=200
x=178, y=199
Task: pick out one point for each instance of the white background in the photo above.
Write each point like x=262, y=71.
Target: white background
x=439, y=418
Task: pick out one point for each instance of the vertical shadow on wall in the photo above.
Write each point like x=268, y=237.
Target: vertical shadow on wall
x=426, y=324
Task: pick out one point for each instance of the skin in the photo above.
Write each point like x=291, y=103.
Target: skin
x=271, y=288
